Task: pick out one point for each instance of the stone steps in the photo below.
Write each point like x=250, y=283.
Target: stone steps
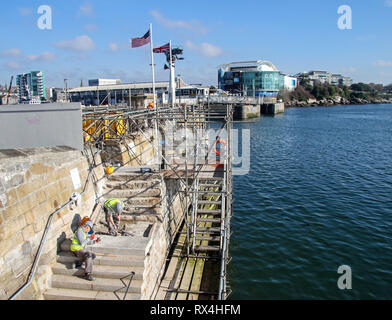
x=113, y=272
x=67, y=257
x=133, y=176
x=131, y=193
x=115, y=250
x=141, y=185
x=74, y=294
x=99, y=284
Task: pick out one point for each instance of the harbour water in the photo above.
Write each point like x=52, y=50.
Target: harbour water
x=318, y=196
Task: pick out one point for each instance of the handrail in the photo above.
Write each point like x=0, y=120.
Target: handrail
x=132, y=274
x=43, y=241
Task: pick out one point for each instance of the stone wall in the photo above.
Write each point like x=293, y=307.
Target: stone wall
x=33, y=184
x=163, y=235
x=130, y=152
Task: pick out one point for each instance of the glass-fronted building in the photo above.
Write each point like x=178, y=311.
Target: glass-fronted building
x=31, y=86
x=253, y=78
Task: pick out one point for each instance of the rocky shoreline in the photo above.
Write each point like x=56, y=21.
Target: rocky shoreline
x=335, y=101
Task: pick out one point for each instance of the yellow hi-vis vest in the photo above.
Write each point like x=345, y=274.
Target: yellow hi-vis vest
x=76, y=245
x=111, y=204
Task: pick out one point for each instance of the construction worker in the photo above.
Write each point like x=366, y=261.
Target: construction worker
x=113, y=209
x=84, y=236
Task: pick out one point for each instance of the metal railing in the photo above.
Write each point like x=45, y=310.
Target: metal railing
x=131, y=275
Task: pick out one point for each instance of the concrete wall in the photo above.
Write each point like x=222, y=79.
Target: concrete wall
x=33, y=184
x=41, y=125
x=272, y=108
x=163, y=235
x=244, y=112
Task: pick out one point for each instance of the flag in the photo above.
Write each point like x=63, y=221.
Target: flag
x=138, y=42
x=162, y=49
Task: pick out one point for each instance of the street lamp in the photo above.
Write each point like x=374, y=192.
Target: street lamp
x=66, y=89
x=179, y=86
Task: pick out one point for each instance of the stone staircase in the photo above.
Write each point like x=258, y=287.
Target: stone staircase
x=116, y=257
x=140, y=192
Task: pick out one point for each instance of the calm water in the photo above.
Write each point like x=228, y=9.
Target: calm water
x=319, y=195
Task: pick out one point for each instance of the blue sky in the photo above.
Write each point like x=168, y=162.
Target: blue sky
x=90, y=39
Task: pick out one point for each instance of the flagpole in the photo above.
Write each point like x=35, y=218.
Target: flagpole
x=154, y=97
x=172, y=88
x=152, y=67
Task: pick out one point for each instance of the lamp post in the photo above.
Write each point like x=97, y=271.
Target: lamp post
x=66, y=89
x=179, y=86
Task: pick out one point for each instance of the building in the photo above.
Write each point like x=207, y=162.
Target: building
x=31, y=86
x=137, y=95
x=103, y=82
x=253, y=78
x=324, y=77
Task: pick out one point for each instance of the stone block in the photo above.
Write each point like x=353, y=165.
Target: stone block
x=15, y=181
x=30, y=187
x=11, y=212
x=12, y=197
x=39, y=168
x=27, y=232
x=52, y=191
x=28, y=203
x=39, y=225
x=11, y=227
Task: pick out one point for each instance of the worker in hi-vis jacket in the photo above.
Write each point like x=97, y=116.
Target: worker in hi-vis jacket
x=113, y=209
x=84, y=236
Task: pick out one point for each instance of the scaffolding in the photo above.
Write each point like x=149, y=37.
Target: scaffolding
x=185, y=150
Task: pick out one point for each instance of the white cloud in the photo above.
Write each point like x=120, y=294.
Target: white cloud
x=382, y=63
x=113, y=46
x=206, y=49
x=91, y=27
x=388, y=3
x=12, y=52
x=24, y=12
x=192, y=25
x=349, y=69
x=81, y=43
x=13, y=65
x=86, y=10
x=45, y=56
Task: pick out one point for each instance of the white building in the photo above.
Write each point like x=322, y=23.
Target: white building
x=290, y=83
x=103, y=82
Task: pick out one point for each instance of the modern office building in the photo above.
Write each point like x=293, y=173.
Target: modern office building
x=31, y=87
x=253, y=78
